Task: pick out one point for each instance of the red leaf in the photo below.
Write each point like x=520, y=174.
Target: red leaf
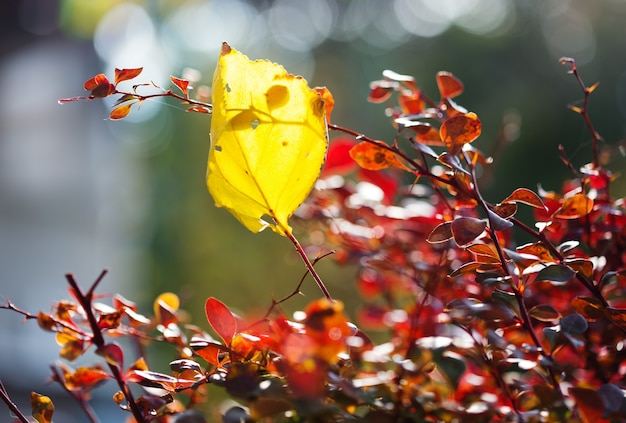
x=113, y=354
x=120, y=112
x=382, y=180
x=96, y=81
x=221, y=319
x=459, y=130
x=103, y=90
x=574, y=207
x=589, y=403
x=449, y=86
x=126, y=74
x=525, y=196
x=182, y=85
x=338, y=160
x=380, y=91
x=441, y=233
x=199, y=109
x=467, y=229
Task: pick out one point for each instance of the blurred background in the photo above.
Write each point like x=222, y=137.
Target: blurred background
x=79, y=193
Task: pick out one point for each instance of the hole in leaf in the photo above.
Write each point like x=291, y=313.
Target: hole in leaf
x=218, y=148
x=227, y=87
x=254, y=123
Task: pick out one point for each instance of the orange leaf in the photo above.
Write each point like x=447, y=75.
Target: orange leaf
x=120, y=112
x=329, y=101
x=126, y=74
x=199, y=109
x=96, y=81
x=459, y=130
x=85, y=378
x=374, y=156
x=426, y=134
x=182, y=85
x=574, y=207
x=221, y=319
x=449, y=85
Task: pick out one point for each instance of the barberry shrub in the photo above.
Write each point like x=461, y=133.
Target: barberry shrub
x=470, y=325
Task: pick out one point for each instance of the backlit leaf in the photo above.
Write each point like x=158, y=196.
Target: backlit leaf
x=329, y=101
x=268, y=141
x=96, y=81
x=544, y=313
x=113, y=354
x=449, y=86
x=182, y=84
x=590, y=308
x=221, y=319
x=42, y=407
x=121, y=112
x=126, y=74
x=165, y=308
x=380, y=91
x=525, y=196
x=374, y=156
x=575, y=206
x=85, y=378
x=459, y=130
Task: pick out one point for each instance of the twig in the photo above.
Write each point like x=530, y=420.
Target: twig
x=5, y=397
x=99, y=342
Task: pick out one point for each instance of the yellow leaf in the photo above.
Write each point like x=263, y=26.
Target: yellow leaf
x=268, y=141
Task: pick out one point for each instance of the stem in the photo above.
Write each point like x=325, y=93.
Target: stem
x=309, y=265
x=99, y=342
x=583, y=111
x=5, y=397
x=84, y=405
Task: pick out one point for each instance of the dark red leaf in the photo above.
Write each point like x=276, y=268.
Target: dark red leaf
x=221, y=319
x=113, y=354
x=441, y=233
x=526, y=196
x=466, y=229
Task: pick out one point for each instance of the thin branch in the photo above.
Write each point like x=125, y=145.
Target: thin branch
x=99, y=342
x=12, y=406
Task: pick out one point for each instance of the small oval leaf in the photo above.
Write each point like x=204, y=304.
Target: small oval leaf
x=556, y=274
x=466, y=229
x=221, y=319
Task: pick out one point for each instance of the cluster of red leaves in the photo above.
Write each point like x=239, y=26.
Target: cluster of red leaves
x=473, y=326
x=532, y=332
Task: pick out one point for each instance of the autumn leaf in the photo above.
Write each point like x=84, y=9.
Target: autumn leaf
x=449, y=86
x=42, y=407
x=374, y=156
x=126, y=74
x=459, y=130
x=268, y=141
